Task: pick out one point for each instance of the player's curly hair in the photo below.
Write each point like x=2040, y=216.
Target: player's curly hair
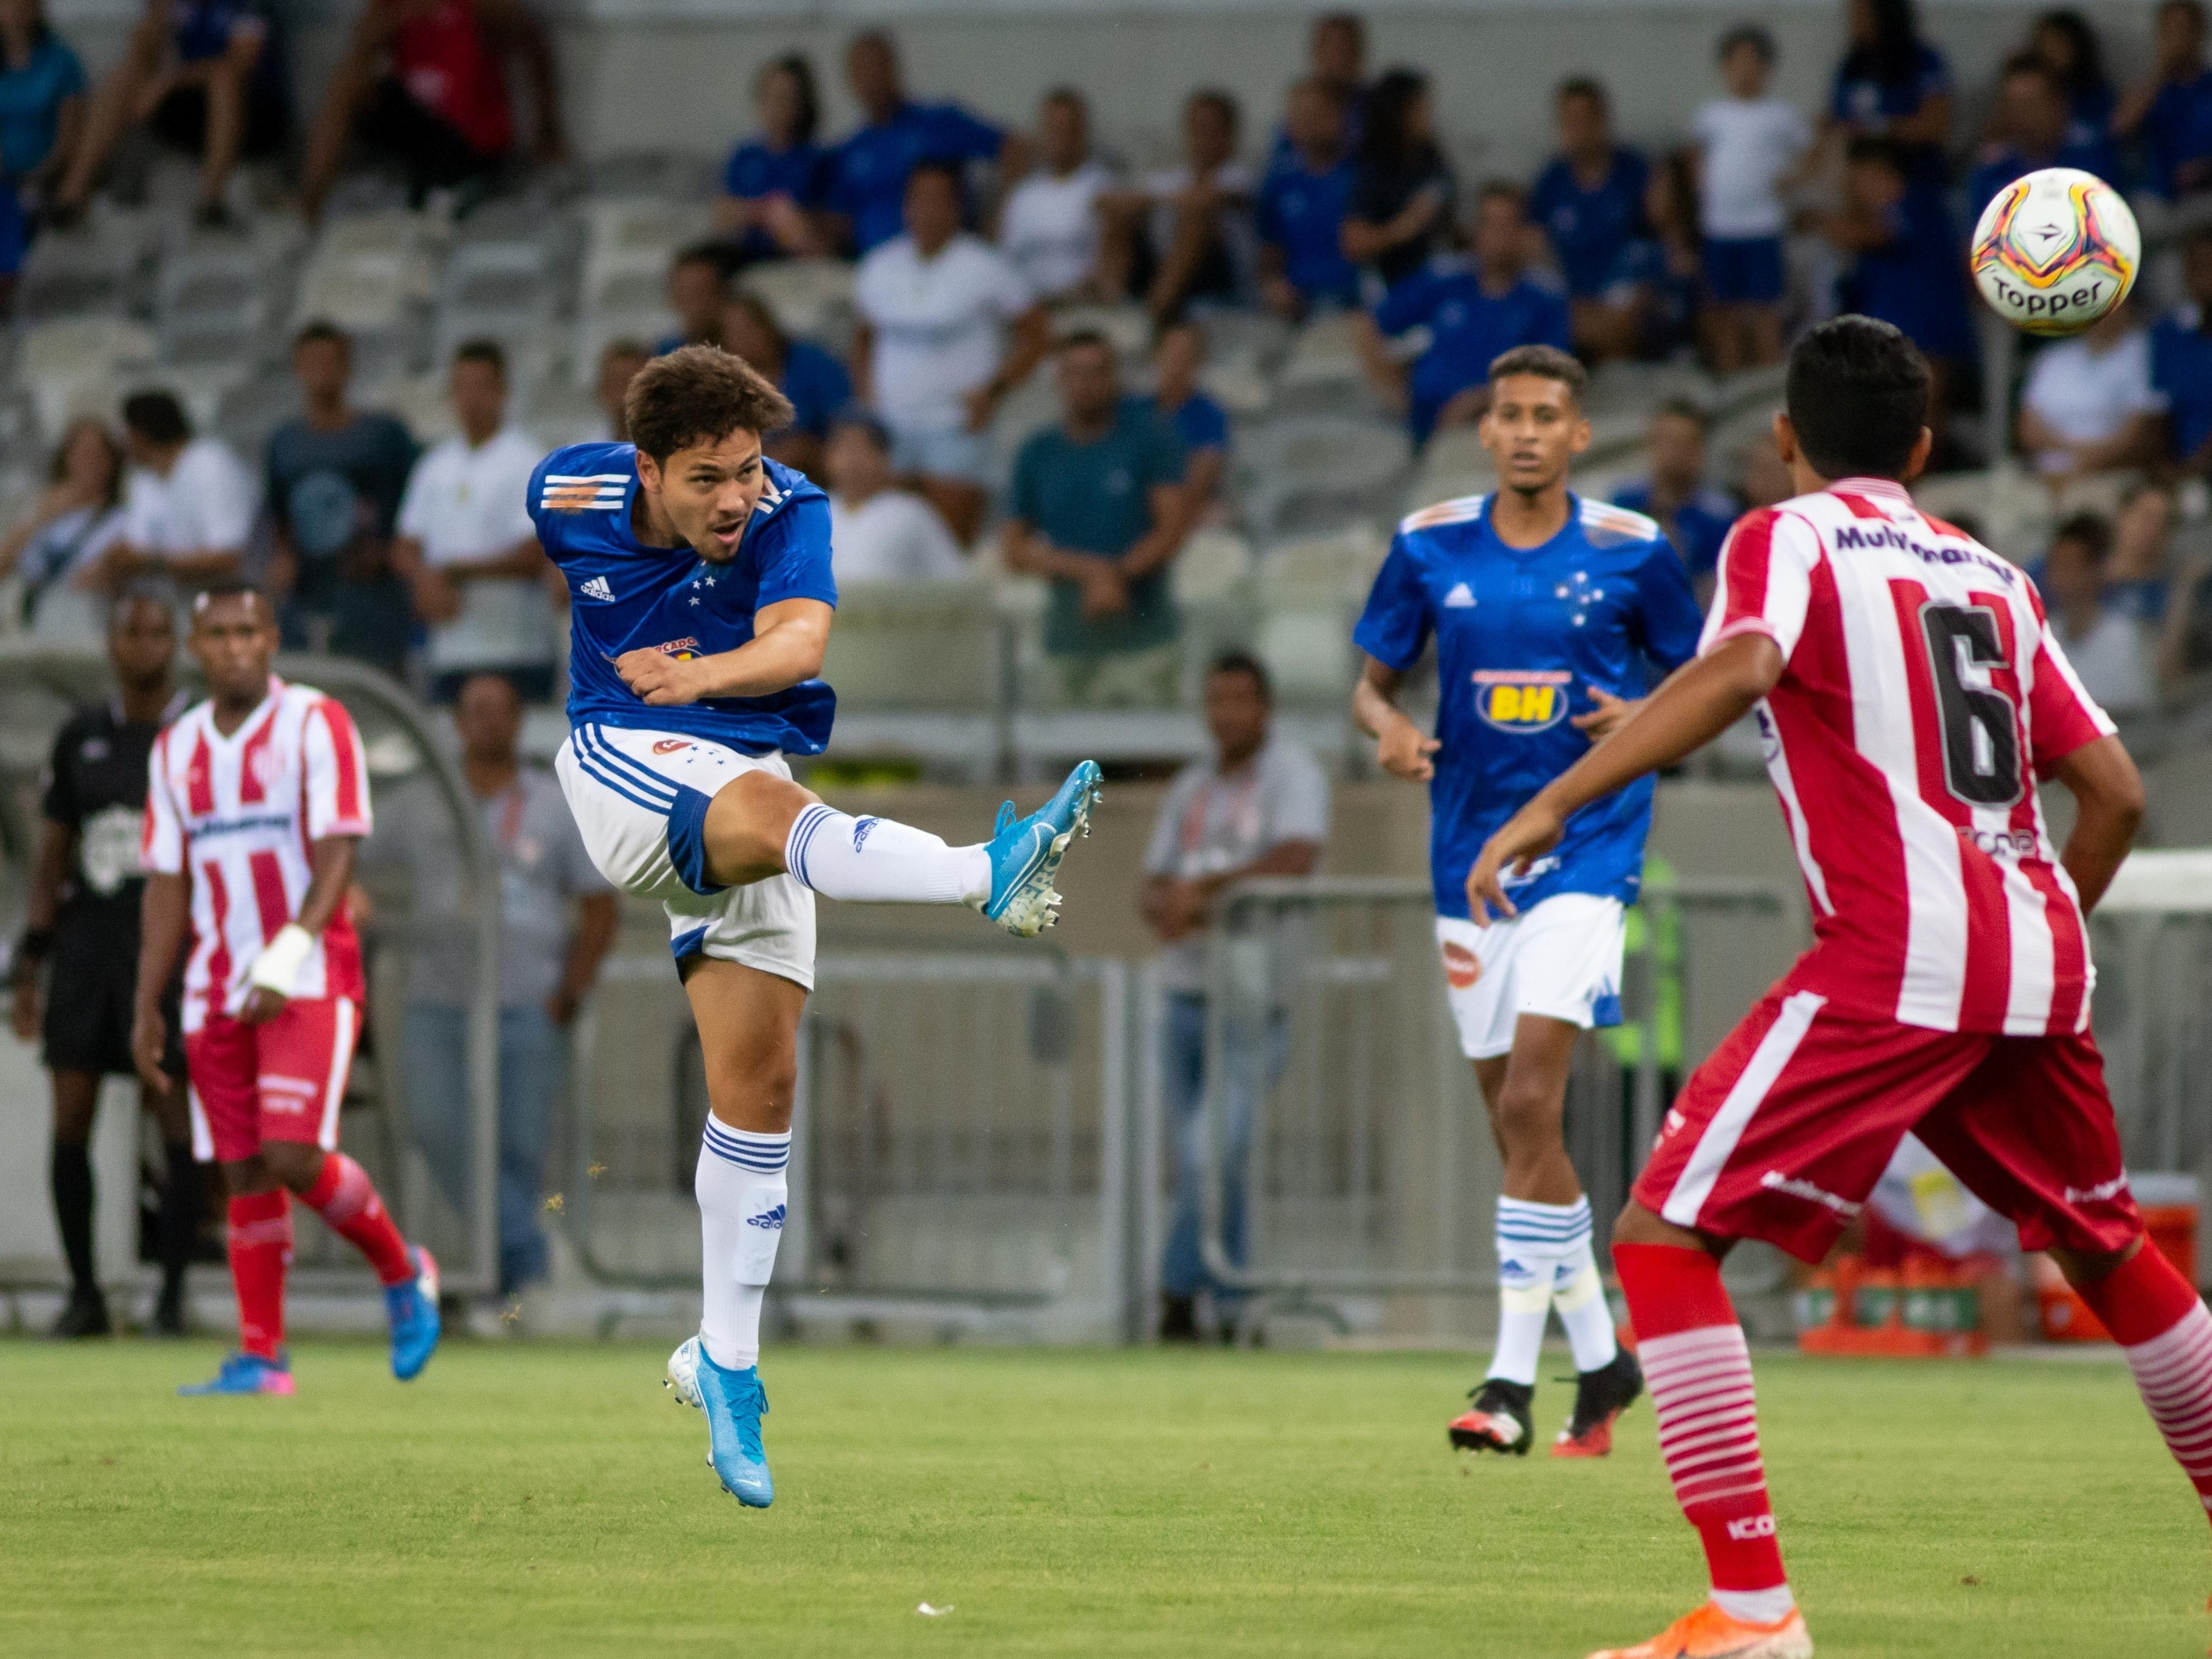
x=697, y=395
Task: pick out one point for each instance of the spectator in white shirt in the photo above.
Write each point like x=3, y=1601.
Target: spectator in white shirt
x=879, y=532
x=466, y=546
x=931, y=355
x=189, y=506
x=1050, y=227
x=2089, y=405
x=2111, y=654
x=1749, y=145
x=1187, y=232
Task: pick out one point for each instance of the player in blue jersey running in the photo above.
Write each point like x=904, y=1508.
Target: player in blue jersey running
x=1549, y=612
x=701, y=597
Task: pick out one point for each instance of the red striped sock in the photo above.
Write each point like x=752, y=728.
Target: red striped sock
x=348, y=1202
x=2161, y=1325
x=260, y=1237
x=1699, y=1372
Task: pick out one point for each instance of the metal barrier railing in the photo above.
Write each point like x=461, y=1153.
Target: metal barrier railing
x=1367, y=1163
x=959, y=1148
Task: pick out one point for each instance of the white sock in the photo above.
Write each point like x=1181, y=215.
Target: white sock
x=1524, y=1290
x=842, y=857
x=1764, y=1606
x=742, y=1199
x=1578, y=1293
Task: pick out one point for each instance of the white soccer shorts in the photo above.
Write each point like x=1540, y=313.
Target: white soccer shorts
x=640, y=800
x=1559, y=958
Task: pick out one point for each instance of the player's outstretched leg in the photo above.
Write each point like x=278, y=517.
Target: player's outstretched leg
x=1009, y=878
x=2163, y=1328
x=340, y=1192
x=1699, y=1369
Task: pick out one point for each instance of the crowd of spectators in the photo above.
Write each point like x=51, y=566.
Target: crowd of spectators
x=969, y=241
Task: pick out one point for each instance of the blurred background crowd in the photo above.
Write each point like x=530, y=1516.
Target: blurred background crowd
x=1141, y=407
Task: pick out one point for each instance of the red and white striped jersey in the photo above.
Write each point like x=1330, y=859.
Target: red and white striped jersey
x=1924, y=695
x=237, y=814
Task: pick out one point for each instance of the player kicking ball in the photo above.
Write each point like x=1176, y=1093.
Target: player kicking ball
x=1910, y=695
x=1546, y=608
x=256, y=802
x=701, y=597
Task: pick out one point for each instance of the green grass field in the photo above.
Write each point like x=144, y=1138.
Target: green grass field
x=550, y=1500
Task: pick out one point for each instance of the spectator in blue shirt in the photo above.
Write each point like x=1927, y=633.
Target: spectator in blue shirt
x=2169, y=114
x=1891, y=84
x=41, y=120
x=868, y=174
x=2033, y=131
x=1403, y=194
x=1695, y=516
x=815, y=381
x=202, y=76
x=1302, y=203
x=2068, y=47
x=1473, y=314
x=776, y=183
x=1200, y=424
x=2181, y=363
x=1907, y=269
x=1589, y=203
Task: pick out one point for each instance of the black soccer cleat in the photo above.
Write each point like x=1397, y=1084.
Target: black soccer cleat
x=85, y=1314
x=1601, y=1396
x=1500, y=1419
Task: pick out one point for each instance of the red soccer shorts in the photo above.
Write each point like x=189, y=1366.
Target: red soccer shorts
x=1782, y=1134
x=281, y=1080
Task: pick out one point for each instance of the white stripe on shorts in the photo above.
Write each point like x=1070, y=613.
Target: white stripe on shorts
x=1695, y=1184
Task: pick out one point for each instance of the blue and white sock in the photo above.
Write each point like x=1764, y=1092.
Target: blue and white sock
x=1578, y=1294
x=1527, y=1236
x=742, y=1204
x=842, y=857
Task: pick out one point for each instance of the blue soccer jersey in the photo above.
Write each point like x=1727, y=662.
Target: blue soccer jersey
x=1523, y=635
x=625, y=596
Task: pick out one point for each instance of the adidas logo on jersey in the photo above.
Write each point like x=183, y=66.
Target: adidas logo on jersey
x=597, y=588
x=1462, y=597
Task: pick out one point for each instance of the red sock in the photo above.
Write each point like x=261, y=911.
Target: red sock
x=260, y=1251
x=1699, y=1372
x=2162, y=1327
x=348, y=1202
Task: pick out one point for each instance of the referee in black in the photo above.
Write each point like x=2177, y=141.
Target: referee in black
x=82, y=927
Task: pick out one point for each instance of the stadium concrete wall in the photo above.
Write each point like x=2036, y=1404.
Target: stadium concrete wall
x=676, y=74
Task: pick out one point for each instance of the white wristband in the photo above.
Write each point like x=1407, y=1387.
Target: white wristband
x=278, y=964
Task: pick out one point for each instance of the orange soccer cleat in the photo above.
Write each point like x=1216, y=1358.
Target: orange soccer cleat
x=1710, y=1633
x=1601, y=1396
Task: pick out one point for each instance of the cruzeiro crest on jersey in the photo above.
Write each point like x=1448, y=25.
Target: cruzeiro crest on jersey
x=590, y=492
x=1521, y=700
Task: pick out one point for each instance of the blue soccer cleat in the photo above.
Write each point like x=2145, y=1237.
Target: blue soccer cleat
x=1025, y=854
x=245, y=1373
x=734, y=1403
x=411, y=1308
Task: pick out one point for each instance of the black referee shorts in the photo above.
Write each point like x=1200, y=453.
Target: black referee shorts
x=91, y=986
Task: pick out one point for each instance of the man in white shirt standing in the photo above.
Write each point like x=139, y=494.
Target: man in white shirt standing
x=1748, y=145
x=190, y=502
x=879, y=532
x=1050, y=227
x=931, y=355
x=466, y=545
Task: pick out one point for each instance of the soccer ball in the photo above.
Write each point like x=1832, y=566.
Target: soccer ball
x=2055, y=250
